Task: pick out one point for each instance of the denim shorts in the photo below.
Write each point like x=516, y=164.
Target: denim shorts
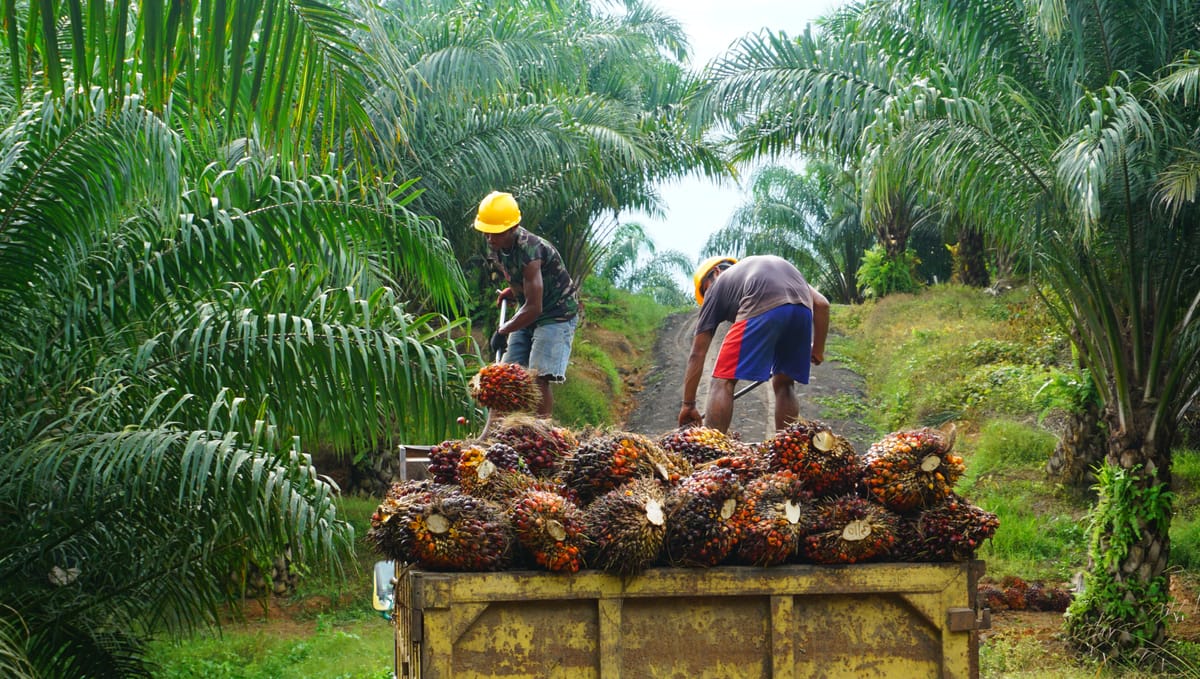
x=544, y=349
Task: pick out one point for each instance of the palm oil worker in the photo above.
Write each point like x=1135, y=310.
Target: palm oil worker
x=539, y=335
x=779, y=328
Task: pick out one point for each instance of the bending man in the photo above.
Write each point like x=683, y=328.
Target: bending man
x=779, y=328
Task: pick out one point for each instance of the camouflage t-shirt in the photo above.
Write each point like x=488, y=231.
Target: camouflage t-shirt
x=560, y=300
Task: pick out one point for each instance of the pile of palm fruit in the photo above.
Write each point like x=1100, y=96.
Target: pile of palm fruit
x=535, y=495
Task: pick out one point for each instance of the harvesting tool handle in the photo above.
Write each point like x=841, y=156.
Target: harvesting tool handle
x=503, y=313
x=741, y=392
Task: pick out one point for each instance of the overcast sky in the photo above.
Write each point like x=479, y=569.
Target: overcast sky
x=697, y=207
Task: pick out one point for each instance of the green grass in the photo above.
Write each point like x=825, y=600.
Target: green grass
x=635, y=316
x=950, y=353
x=594, y=381
x=841, y=407
x=1006, y=444
x=361, y=649
x=1028, y=658
x=1037, y=539
x=333, y=631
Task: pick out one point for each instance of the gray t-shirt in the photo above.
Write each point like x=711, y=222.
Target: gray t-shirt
x=752, y=286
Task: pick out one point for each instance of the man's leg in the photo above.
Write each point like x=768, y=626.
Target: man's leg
x=719, y=411
x=791, y=362
x=787, y=406
x=549, y=355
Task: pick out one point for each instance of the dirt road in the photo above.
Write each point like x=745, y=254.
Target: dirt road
x=657, y=406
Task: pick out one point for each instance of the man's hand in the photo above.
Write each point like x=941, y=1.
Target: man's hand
x=498, y=343
x=818, y=358
x=689, y=416
x=505, y=294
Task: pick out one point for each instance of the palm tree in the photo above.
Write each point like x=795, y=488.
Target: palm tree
x=787, y=214
x=170, y=342
x=754, y=90
x=1050, y=125
x=576, y=111
x=188, y=308
x=287, y=69
x=631, y=261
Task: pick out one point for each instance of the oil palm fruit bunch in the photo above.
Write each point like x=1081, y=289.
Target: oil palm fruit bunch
x=443, y=461
x=539, y=443
x=700, y=527
x=608, y=461
x=912, y=469
x=495, y=473
x=850, y=529
x=951, y=531
x=747, y=465
x=626, y=527
x=551, y=528
x=775, y=513
x=701, y=444
x=389, y=532
x=459, y=532
x=1044, y=598
x=991, y=596
x=826, y=462
x=506, y=387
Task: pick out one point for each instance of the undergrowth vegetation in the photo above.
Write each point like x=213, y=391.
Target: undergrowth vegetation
x=998, y=367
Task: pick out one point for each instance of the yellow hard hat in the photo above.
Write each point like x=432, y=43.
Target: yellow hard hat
x=498, y=212
x=703, y=270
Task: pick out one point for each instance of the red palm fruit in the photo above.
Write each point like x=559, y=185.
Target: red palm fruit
x=850, y=529
x=1016, y=599
x=701, y=444
x=747, y=466
x=700, y=510
x=626, y=527
x=458, y=532
x=826, y=463
x=389, y=532
x=1055, y=599
x=505, y=387
x=542, y=445
x=992, y=597
x=951, y=531
x=443, y=461
x=608, y=461
x=482, y=476
x=913, y=469
x=551, y=528
x=775, y=513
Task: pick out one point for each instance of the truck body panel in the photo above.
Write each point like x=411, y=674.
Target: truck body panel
x=791, y=621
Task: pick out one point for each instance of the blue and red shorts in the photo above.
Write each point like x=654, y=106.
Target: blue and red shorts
x=773, y=342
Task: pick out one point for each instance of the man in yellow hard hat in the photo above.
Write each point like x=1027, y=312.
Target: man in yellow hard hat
x=540, y=333
x=778, y=332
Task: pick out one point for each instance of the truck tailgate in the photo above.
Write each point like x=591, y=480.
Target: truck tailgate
x=866, y=620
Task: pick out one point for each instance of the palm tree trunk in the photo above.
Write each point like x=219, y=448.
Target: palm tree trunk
x=970, y=262
x=1123, y=609
x=1081, y=448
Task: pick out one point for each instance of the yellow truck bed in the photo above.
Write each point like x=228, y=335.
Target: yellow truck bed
x=869, y=620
